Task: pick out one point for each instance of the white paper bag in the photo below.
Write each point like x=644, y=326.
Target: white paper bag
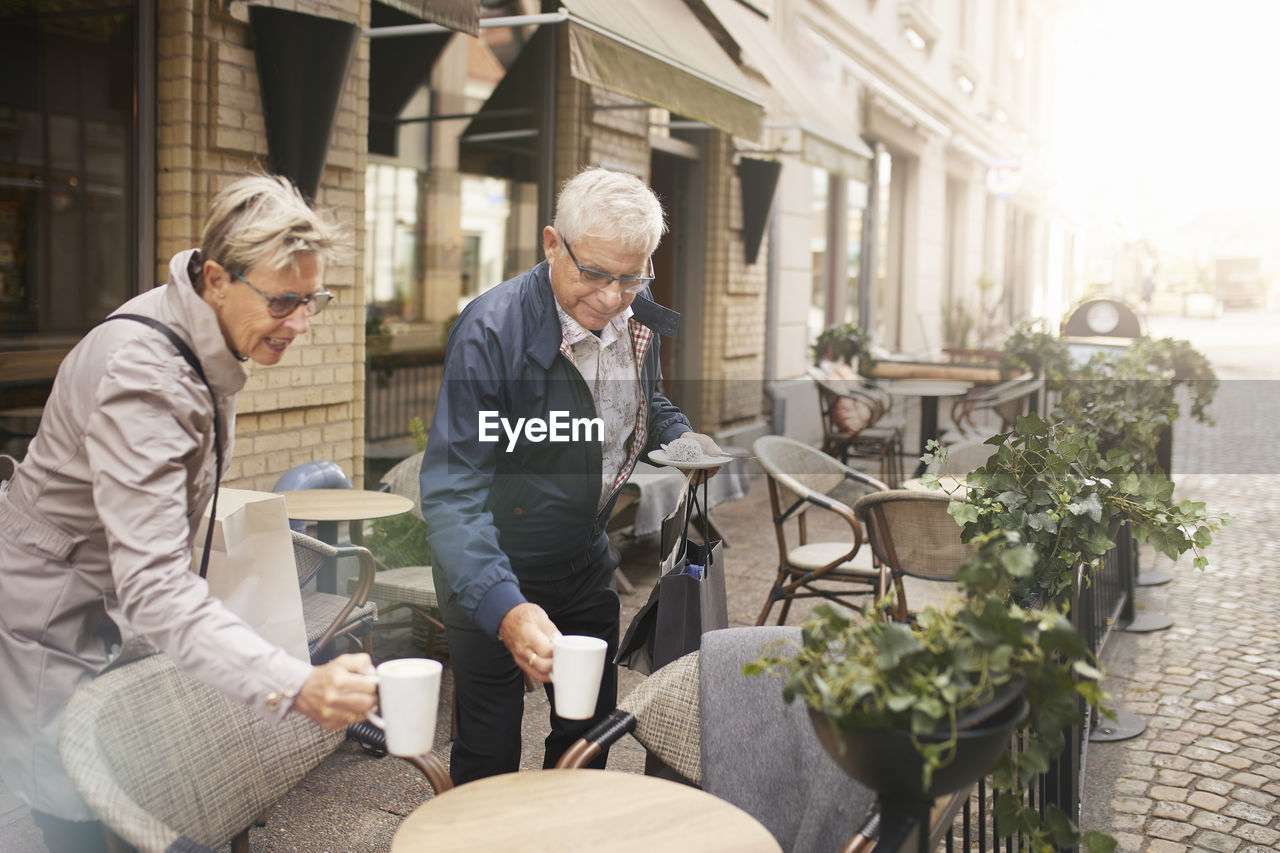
x=251, y=566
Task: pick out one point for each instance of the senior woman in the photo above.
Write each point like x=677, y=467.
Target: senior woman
x=97, y=522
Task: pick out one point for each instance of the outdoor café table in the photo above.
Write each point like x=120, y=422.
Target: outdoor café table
x=327, y=507
x=560, y=811
x=928, y=390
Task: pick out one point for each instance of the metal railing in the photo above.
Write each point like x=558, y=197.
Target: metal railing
x=1098, y=604
x=399, y=387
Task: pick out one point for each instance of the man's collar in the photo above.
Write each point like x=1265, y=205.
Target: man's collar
x=572, y=331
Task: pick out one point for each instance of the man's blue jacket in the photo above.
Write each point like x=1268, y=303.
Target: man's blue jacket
x=496, y=516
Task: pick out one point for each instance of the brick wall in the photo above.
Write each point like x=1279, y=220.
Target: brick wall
x=734, y=331
x=209, y=132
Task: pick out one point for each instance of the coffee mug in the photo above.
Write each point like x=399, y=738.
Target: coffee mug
x=408, y=694
x=576, y=667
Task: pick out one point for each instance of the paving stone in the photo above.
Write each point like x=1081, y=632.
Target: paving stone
x=1161, y=846
x=1173, y=811
x=1257, y=834
x=1250, y=779
x=1132, y=787
x=1169, y=793
x=1129, y=842
x=1205, y=799
x=1216, y=841
x=1216, y=822
x=1253, y=814
x=1175, y=778
x=1207, y=768
x=1170, y=830
x=1131, y=805
x=1119, y=820
x=1255, y=797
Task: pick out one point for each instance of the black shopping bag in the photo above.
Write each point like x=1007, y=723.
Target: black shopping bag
x=685, y=602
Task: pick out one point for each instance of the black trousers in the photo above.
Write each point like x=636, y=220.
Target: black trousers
x=490, y=687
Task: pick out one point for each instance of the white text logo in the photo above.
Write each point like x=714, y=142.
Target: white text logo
x=560, y=427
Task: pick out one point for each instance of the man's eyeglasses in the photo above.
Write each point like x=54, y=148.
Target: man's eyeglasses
x=631, y=284
x=282, y=306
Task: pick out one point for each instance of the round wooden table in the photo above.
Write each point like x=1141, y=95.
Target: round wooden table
x=929, y=391
x=328, y=507
x=560, y=811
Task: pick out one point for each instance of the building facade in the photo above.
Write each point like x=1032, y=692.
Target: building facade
x=869, y=161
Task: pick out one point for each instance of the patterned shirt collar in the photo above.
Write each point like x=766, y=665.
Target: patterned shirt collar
x=571, y=331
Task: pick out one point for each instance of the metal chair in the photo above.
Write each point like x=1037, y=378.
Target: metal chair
x=912, y=534
x=169, y=763
x=321, y=474
x=801, y=478
x=410, y=588
x=853, y=424
x=330, y=616
x=1007, y=401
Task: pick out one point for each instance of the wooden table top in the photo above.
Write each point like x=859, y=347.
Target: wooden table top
x=561, y=811
x=342, y=504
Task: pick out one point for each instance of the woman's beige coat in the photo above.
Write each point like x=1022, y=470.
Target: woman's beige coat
x=96, y=530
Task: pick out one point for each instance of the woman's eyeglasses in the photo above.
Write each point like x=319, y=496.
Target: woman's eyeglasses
x=631, y=284
x=280, y=307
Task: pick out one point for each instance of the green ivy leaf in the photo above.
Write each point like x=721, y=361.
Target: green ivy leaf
x=1090, y=506
x=963, y=512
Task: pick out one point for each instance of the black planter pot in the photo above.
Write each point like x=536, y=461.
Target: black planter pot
x=885, y=760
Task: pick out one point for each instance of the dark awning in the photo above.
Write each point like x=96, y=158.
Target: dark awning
x=398, y=67
x=830, y=133
x=657, y=52
x=460, y=15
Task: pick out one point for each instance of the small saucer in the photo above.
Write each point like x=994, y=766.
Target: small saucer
x=660, y=457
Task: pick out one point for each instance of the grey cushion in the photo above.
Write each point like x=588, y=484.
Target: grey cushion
x=761, y=754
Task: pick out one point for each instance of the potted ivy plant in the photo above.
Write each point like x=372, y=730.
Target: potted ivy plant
x=944, y=692
x=842, y=342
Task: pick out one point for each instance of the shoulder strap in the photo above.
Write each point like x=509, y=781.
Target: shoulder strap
x=184, y=349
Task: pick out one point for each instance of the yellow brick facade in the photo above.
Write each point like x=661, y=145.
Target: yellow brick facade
x=210, y=130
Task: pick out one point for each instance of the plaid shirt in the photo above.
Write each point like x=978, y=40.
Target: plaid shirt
x=612, y=373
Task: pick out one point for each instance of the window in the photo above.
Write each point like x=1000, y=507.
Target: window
x=835, y=251
x=820, y=219
x=67, y=182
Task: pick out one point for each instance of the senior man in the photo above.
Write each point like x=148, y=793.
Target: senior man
x=550, y=396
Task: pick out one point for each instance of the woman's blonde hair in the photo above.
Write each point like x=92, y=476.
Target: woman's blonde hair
x=263, y=219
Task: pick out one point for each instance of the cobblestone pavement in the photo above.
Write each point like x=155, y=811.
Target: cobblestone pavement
x=1203, y=776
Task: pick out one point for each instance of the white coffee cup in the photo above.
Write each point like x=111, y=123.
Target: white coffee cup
x=576, y=667
x=408, y=695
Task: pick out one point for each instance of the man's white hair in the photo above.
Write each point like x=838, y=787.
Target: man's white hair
x=613, y=206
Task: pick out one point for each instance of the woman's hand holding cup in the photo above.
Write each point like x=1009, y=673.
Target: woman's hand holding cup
x=338, y=693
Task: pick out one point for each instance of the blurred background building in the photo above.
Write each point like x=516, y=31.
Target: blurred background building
x=881, y=162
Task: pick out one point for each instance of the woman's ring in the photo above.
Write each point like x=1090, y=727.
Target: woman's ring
x=533, y=656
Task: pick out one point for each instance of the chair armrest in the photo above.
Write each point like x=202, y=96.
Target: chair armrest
x=866, y=836
x=605, y=733
x=372, y=738
x=364, y=585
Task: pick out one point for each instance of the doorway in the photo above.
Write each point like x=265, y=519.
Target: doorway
x=676, y=178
